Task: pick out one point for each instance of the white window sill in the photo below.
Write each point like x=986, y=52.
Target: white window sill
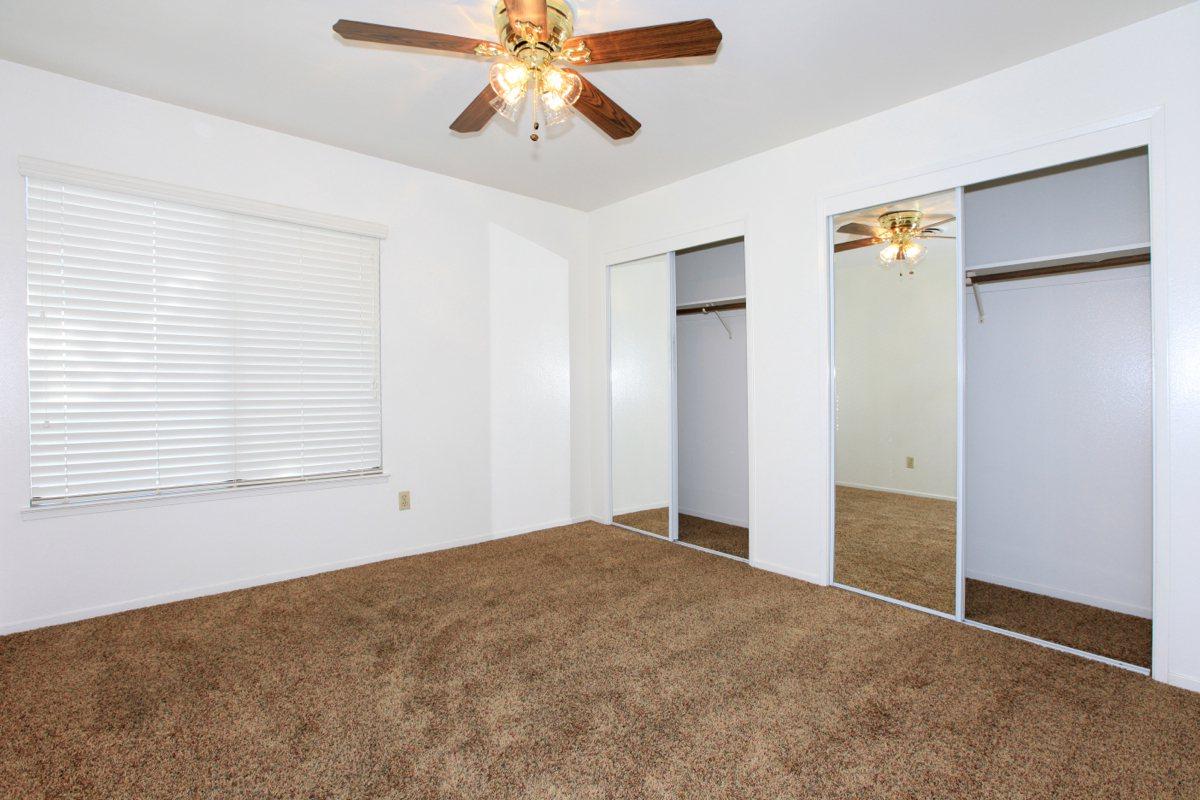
x=224, y=493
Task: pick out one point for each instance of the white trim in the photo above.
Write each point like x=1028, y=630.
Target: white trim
x=908, y=492
x=1063, y=594
x=713, y=552
x=672, y=400
x=1100, y=254
x=713, y=234
x=110, y=181
x=545, y=526
x=788, y=572
x=737, y=523
x=896, y=602
x=631, y=529
x=196, y=496
x=228, y=586
x=1062, y=648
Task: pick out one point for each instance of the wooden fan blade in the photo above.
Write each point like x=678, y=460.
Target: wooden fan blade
x=600, y=109
x=531, y=11
x=698, y=37
x=854, y=245
x=859, y=228
x=477, y=114
x=933, y=223
x=386, y=34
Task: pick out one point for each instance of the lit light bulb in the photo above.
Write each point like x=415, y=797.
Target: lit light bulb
x=559, y=90
x=508, y=78
x=908, y=252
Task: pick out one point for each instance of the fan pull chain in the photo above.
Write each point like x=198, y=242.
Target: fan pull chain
x=533, y=108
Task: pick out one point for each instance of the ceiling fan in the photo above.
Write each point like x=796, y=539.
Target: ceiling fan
x=536, y=52
x=900, y=233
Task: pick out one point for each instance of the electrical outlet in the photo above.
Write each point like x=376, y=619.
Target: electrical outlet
x=910, y=462
x=405, y=500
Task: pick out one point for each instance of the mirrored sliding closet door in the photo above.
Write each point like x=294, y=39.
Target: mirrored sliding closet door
x=895, y=283
x=642, y=318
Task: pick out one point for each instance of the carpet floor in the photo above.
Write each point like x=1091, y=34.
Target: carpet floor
x=1095, y=630
x=719, y=536
x=707, y=533
x=580, y=662
x=897, y=545
x=655, y=520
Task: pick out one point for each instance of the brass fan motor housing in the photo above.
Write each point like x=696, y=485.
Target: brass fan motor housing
x=900, y=222
x=531, y=44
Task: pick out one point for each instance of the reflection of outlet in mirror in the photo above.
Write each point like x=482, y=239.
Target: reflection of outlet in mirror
x=910, y=462
x=405, y=500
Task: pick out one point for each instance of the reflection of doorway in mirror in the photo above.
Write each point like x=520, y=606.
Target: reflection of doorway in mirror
x=640, y=318
x=895, y=297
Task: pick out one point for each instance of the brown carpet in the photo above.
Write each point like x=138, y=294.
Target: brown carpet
x=582, y=662
x=1095, y=630
x=896, y=545
x=656, y=521
x=694, y=530
x=719, y=536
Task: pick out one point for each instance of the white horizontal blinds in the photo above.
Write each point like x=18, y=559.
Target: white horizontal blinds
x=174, y=347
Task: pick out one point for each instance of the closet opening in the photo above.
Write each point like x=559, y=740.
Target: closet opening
x=679, y=397
x=1057, y=406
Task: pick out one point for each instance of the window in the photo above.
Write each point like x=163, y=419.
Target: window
x=175, y=347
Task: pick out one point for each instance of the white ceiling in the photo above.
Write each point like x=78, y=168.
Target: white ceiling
x=786, y=69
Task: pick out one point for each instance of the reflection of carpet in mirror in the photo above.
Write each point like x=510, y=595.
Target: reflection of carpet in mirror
x=719, y=536
x=896, y=545
x=654, y=520
x=1094, y=630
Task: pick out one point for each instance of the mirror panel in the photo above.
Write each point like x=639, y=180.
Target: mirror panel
x=641, y=317
x=895, y=334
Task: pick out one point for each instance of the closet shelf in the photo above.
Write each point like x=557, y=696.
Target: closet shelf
x=1105, y=258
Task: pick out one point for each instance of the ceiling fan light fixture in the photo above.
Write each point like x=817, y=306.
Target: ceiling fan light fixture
x=908, y=252
x=509, y=79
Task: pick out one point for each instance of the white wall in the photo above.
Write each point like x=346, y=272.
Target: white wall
x=714, y=466
x=641, y=384
x=896, y=350
x=531, y=384
x=1094, y=205
x=1057, y=416
x=438, y=412
x=779, y=198
x=710, y=273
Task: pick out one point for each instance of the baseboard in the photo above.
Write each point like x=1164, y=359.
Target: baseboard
x=257, y=580
x=1062, y=594
x=1183, y=681
x=534, y=528
x=779, y=569
x=640, y=509
x=737, y=523
x=927, y=495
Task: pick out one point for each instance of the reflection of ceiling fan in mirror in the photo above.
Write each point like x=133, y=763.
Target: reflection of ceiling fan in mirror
x=900, y=233
x=536, y=56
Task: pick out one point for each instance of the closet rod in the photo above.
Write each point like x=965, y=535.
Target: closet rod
x=1057, y=269
x=730, y=305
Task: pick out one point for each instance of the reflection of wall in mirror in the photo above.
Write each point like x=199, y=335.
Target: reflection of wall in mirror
x=896, y=361
x=641, y=352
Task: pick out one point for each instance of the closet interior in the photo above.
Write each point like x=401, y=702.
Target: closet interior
x=992, y=405
x=680, y=450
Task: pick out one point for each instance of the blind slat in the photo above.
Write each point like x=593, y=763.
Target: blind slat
x=174, y=347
